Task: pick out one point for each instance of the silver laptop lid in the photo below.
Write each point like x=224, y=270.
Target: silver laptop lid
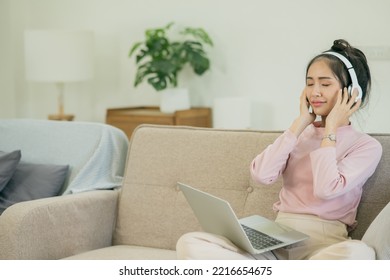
x=216, y=216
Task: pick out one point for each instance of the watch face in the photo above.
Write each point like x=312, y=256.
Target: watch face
x=331, y=137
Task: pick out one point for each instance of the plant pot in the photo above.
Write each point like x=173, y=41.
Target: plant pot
x=174, y=99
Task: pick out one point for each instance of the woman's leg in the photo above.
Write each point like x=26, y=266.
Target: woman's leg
x=328, y=240
x=323, y=233
x=346, y=250
x=206, y=246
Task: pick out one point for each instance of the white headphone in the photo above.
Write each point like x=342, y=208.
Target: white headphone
x=352, y=74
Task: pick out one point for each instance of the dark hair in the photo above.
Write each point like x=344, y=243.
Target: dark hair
x=358, y=61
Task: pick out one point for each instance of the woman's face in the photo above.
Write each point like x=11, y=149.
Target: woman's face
x=322, y=87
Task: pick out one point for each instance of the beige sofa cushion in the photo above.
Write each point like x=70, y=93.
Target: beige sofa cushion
x=377, y=234
x=125, y=252
x=154, y=213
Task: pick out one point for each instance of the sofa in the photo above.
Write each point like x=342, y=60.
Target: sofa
x=146, y=216
x=54, y=160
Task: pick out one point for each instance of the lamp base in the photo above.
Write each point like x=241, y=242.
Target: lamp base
x=61, y=117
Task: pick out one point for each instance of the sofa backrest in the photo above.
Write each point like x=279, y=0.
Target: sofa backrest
x=376, y=192
x=95, y=152
x=153, y=212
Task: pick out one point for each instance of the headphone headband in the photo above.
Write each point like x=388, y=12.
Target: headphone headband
x=352, y=74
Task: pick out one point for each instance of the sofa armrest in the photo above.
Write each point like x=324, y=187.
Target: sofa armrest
x=58, y=227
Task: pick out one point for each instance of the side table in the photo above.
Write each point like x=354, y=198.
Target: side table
x=129, y=118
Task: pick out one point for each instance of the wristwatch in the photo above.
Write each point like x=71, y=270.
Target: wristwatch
x=331, y=137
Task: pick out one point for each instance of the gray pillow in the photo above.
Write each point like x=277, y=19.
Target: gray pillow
x=32, y=181
x=8, y=163
x=377, y=234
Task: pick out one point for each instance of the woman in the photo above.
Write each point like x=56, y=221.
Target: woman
x=324, y=165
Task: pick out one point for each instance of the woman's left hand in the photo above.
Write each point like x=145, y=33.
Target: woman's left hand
x=343, y=109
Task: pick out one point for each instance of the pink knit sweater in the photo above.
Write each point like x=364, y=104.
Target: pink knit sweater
x=326, y=182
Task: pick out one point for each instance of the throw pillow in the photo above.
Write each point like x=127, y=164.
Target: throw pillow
x=32, y=181
x=377, y=234
x=8, y=163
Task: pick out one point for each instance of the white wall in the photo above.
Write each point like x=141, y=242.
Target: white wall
x=7, y=99
x=261, y=51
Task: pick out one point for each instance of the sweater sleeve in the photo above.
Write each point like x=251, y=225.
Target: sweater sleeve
x=333, y=177
x=270, y=164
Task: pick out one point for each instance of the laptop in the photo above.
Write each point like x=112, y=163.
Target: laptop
x=254, y=234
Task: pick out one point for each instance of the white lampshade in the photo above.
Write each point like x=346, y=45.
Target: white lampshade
x=58, y=55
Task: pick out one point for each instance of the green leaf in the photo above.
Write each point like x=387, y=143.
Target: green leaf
x=159, y=60
x=198, y=33
x=135, y=46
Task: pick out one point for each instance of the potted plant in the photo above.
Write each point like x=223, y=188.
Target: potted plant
x=160, y=59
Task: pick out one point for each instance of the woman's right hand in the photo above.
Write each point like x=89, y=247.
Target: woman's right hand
x=305, y=117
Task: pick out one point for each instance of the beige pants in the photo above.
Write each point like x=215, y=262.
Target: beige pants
x=328, y=241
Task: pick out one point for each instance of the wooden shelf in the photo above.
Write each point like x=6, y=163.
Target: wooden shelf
x=129, y=118
x=61, y=117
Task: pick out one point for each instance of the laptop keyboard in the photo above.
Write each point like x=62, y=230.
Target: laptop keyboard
x=260, y=240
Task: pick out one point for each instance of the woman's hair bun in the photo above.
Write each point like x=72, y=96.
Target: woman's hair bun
x=341, y=46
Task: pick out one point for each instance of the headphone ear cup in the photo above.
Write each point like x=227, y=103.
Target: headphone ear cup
x=350, y=90
x=360, y=92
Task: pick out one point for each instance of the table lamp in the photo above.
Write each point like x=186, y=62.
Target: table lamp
x=59, y=56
